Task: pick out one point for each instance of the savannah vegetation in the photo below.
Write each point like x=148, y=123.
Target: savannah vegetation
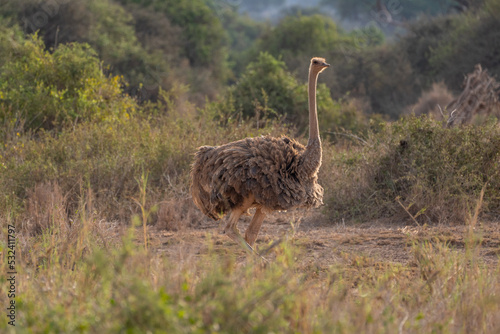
x=103, y=103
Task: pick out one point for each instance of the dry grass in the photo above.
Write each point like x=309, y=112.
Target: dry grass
x=433, y=101
x=45, y=206
x=91, y=276
x=178, y=213
x=71, y=282
x=416, y=169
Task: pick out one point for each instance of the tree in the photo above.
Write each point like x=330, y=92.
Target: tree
x=388, y=11
x=266, y=87
x=39, y=89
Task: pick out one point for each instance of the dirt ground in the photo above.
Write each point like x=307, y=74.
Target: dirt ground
x=322, y=243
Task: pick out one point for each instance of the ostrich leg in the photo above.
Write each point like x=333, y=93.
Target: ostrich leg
x=254, y=227
x=231, y=229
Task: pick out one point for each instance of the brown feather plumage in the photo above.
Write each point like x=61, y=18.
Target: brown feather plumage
x=265, y=167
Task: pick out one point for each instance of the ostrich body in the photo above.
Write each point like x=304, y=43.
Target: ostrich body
x=265, y=172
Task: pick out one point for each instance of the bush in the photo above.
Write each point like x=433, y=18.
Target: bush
x=296, y=39
x=382, y=76
x=202, y=33
x=266, y=87
x=267, y=91
x=313, y=35
x=435, y=173
x=39, y=89
x=451, y=59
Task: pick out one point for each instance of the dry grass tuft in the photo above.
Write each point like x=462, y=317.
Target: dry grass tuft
x=431, y=101
x=45, y=206
x=478, y=101
x=178, y=213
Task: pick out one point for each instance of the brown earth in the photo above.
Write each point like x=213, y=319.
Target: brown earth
x=322, y=244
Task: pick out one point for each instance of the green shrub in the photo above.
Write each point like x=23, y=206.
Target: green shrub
x=113, y=35
x=267, y=90
x=267, y=82
x=435, y=173
x=382, y=76
x=106, y=26
x=298, y=36
x=313, y=35
x=266, y=87
x=40, y=89
x=296, y=39
x=202, y=33
x=151, y=44
x=203, y=39
x=243, y=32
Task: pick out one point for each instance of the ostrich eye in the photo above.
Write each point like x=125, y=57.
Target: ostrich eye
x=315, y=62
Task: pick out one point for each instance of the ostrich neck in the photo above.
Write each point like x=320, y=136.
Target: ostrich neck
x=313, y=114
x=311, y=158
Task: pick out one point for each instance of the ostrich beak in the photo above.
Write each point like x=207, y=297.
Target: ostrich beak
x=325, y=65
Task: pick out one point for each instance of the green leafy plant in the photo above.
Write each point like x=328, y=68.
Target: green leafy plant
x=44, y=90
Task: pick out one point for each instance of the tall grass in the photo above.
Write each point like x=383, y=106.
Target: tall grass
x=92, y=278
x=109, y=159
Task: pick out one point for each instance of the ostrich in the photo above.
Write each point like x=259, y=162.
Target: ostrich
x=265, y=173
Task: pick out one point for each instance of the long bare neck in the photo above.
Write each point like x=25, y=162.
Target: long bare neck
x=311, y=158
x=313, y=113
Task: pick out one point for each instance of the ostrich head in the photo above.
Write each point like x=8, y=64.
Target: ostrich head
x=318, y=64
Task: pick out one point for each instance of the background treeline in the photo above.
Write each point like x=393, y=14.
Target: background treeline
x=208, y=45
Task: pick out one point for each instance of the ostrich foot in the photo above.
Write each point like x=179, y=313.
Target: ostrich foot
x=274, y=244
x=235, y=235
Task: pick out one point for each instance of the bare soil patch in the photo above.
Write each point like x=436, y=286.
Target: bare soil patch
x=323, y=244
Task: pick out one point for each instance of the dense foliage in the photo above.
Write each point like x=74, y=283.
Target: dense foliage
x=418, y=167
x=39, y=89
x=207, y=44
x=392, y=76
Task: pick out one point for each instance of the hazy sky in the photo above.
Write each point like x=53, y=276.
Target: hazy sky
x=271, y=11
